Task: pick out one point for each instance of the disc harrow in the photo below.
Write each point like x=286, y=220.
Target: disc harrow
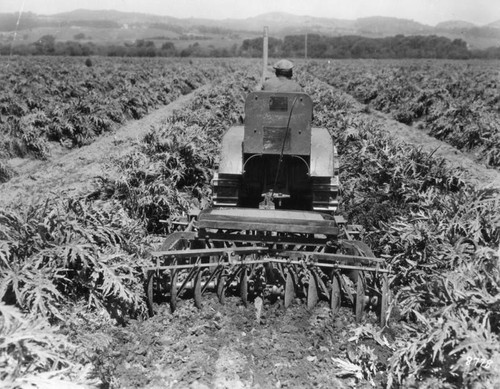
x=273, y=266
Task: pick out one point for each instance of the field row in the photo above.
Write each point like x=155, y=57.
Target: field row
x=455, y=101
x=71, y=101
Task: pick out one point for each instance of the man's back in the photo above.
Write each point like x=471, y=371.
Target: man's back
x=281, y=84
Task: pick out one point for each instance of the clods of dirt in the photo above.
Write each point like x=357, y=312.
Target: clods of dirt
x=227, y=346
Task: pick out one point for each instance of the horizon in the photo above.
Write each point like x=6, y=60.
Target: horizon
x=430, y=12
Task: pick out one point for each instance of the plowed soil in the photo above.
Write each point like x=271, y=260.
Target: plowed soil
x=220, y=346
x=227, y=346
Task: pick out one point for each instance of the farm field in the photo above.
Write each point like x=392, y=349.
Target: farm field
x=73, y=305
x=454, y=101
x=71, y=101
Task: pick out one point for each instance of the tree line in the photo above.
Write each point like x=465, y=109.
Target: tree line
x=291, y=46
x=354, y=46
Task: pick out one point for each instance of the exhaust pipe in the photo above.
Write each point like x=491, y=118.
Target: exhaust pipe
x=264, y=55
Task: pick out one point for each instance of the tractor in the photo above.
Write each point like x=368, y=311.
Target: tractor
x=272, y=232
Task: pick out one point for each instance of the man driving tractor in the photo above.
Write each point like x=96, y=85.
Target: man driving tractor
x=283, y=81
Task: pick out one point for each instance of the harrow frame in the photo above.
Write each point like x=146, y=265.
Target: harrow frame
x=257, y=263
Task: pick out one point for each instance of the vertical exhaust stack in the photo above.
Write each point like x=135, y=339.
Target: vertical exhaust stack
x=264, y=55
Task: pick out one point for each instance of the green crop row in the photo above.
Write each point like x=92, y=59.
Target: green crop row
x=457, y=102
x=46, y=100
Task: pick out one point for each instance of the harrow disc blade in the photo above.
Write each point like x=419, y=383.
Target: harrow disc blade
x=221, y=289
x=197, y=289
x=173, y=291
x=149, y=293
x=244, y=286
x=312, y=292
x=258, y=303
x=384, y=300
x=335, y=295
x=289, y=289
x=360, y=297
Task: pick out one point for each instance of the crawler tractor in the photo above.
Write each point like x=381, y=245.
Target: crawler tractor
x=272, y=231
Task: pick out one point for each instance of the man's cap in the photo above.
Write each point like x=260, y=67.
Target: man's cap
x=283, y=64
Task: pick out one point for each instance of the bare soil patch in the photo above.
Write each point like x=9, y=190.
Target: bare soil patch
x=226, y=347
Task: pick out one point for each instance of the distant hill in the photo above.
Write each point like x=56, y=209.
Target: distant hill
x=117, y=27
x=116, y=16
x=455, y=25
x=385, y=26
x=495, y=24
x=281, y=22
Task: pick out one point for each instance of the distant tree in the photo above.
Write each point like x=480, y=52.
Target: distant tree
x=168, y=46
x=191, y=50
x=253, y=47
x=168, y=50
x=45, y=45
x=69, y=48
x=397, y=46
x=144, y=43
x=116, y=51
x=79, y=36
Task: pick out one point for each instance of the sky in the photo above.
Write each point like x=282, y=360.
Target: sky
x=424, y=11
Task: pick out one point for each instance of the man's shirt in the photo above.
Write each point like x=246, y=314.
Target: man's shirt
x=281, y=84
